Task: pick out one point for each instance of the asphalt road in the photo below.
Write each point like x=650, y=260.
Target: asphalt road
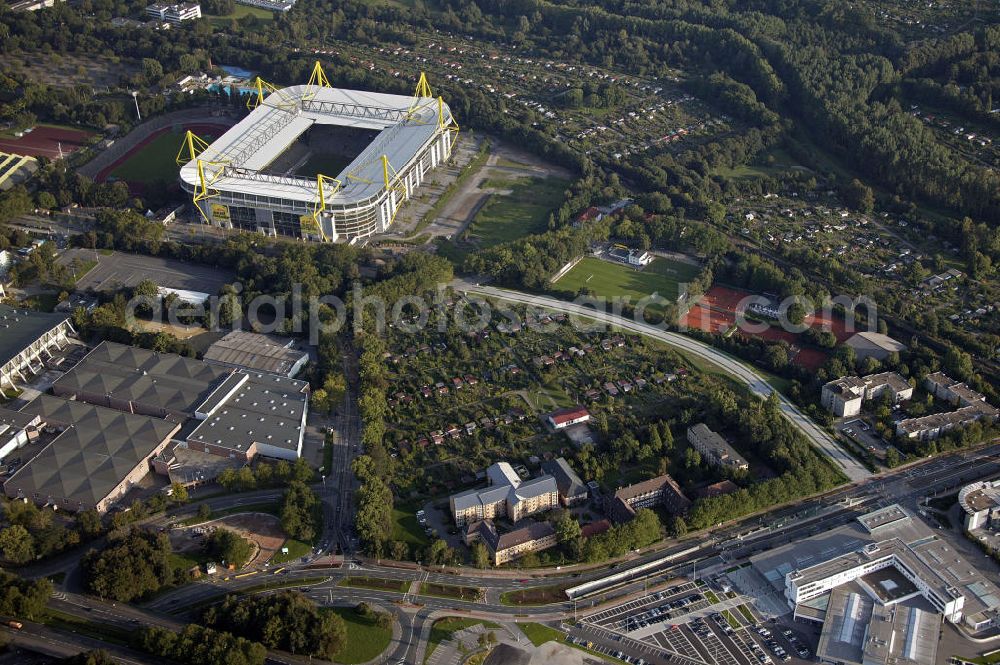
x=851, y=468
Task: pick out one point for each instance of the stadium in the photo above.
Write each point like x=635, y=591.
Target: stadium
x=271, y=172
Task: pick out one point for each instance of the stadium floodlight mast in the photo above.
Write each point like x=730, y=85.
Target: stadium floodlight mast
x=135, y=98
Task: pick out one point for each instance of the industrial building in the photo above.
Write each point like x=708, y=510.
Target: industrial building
x=27, y=339
x=505, y=496
x=241, y=413
x=264, y=353
x=714, y=449
x=98, y=455
x=843, y=397
x=892, y=557
x=655, y=491
x=16, y=429
x=241, y=182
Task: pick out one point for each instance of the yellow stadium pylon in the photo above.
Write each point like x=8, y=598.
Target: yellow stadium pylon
x=320, y=205
x=423, y=87
x=318, y=76
x=191, y=147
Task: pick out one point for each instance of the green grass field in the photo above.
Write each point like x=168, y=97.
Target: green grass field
x=539, y=633
x=615, y=279
x=405, y=526
x=443, y=629
x=154, y=162
x=365, y=640
x=242, y=11
x=522, y=212
x=296, y=549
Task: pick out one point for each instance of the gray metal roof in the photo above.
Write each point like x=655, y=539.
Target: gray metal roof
x=254, y=351
x=98, y=448
x=19, y=328
x=569, y=483
x=159, y=380
x=265, y=409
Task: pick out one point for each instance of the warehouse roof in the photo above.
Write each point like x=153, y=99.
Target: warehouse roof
x=407, y=124
x=20, y=328
x=254, y=351
x=97, y=449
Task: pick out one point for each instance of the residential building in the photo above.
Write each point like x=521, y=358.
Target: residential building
x=563, y=418
x=948, y=389
x=647, y=494
x=927, y=428
x=714, y=449
x=506, y=495
x=843, y=397
x=98, y=455
x=264, y=353
x=874, y=345
x=533, y=537
x=174, y=13
x=572, y=491
x=27, y=339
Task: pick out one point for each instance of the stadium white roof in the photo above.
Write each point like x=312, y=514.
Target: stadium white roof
x=271, y=128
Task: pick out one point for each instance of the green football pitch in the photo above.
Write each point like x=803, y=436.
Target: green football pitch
x=609, y=280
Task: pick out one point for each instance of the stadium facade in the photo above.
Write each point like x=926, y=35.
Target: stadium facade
x=234, y=184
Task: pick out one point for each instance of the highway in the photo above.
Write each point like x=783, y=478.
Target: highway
x=851, y=468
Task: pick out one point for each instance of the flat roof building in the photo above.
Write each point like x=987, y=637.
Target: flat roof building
x=264, y=353
x=980, y=504
x=16, y=429
x=96, y=458
x=843, y=397
x=860, y=552
x=714, y=449
x=174, y=13
x=27, y=337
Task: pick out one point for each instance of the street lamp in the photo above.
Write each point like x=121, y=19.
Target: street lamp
x=135, y=98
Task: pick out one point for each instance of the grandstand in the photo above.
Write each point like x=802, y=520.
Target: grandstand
x=266, y=173
x=15, y=169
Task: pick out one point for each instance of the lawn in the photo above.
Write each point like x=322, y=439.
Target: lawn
x=296, y=550
x=442, y=630
x=270, y=508
x=405, y=526
x=375, y=583
x=469, y=593
x=506, y=217
x=609, y=279
x=540, y=595
x=155, y=161
x=242, y=11
x=539, y=633
x=365, y=639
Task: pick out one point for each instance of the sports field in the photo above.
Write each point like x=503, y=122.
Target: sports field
x=524, y=211
x=609, y=279
x=155, y=160
x=240, y=12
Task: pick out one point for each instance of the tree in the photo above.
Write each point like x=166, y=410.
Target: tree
x=17, y=544
x=892, y=458
x=204, y=512
x=679, y=527
x=130, y=566
x=297, y=511
x=567, y=528
x=46, y=200
x=480, y=555
x=229, y=547
x=179, y=493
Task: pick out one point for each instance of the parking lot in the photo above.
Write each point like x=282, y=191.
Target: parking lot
x=120, y=270
x=693, y=624
x=860, y=431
